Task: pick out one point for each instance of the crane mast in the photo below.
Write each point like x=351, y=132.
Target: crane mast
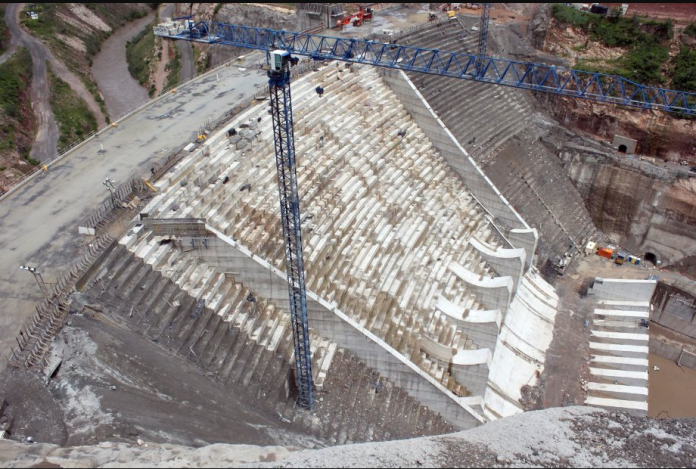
x=283, y=136
x=483, y=40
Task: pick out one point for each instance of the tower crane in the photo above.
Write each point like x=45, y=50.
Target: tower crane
x=483, y=38
x=282, y=49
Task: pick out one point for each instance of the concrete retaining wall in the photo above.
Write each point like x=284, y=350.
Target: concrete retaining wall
x=484, y=335
x=670, y=352
x=475, y=377
x=674, y=309
x=628, y=290
x=505, y=217
x=270, y=282
x=524, y=339
x=506, y=262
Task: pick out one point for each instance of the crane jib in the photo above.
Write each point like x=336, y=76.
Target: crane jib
x=611, y=89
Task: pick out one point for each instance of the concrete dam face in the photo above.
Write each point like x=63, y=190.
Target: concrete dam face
x=418, y=270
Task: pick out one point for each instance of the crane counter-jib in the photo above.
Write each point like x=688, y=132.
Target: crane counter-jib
x=581, y=84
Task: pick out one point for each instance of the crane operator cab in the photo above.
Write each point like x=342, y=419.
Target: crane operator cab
x=279, y=58
x=279, y=67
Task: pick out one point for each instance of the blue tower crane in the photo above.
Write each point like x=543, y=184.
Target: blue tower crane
x=283, y=46
x=284, y=138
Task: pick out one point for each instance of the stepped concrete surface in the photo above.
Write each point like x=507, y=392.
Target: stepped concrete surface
x=389, y=232
x=619, y=345
x=244, y=341
x=497, y=126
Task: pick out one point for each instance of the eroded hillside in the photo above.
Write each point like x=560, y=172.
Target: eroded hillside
x=74, y=33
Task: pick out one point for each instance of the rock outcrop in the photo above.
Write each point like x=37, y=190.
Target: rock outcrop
x=560, y=437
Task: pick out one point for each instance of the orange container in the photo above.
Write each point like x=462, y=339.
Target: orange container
x=604, y=252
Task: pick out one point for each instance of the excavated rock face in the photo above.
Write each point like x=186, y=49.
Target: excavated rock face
x=658, y=134
x=540, y=25
x=642, y=213
x=242, y=14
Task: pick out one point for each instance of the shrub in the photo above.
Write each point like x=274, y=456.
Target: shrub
x=690, y=30
x=685, y=70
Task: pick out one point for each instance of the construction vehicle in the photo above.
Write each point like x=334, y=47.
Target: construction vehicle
x=281, y=48
x=562, y=263
x=363, y=15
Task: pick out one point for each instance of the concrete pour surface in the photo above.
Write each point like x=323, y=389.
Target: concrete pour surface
x=39, y=222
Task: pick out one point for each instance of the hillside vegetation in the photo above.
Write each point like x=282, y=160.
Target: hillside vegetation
x=145, y=52
x=139, y=52
x=646, y=43
x=17, y=121
x=690, y=30
x=72, y=115
x=4, y=32
x=75, y=32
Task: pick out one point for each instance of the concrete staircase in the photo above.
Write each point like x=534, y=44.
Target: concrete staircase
x=619, y=363
x=383, y=215
x=240, y=339
x=619, y=345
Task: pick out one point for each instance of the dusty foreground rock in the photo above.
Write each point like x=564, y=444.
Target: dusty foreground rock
x=560, y=437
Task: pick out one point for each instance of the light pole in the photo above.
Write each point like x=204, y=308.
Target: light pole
x=109, y=183
x=37, y=276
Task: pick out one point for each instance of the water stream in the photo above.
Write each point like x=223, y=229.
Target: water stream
x=121, y=91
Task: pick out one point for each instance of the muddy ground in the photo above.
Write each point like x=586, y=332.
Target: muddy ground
x=115, y=385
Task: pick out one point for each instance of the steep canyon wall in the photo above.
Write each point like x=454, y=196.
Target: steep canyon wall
x=658, y=134
x=641, y=206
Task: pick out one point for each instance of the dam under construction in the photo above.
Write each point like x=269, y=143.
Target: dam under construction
x=449, y=281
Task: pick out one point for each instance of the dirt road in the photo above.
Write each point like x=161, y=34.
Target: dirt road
x=46, y=142
x=40, y=54
x=13, y=38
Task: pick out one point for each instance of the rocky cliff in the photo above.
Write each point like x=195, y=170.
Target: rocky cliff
x=261, y=16
x=658, y=134
x=643, y=206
